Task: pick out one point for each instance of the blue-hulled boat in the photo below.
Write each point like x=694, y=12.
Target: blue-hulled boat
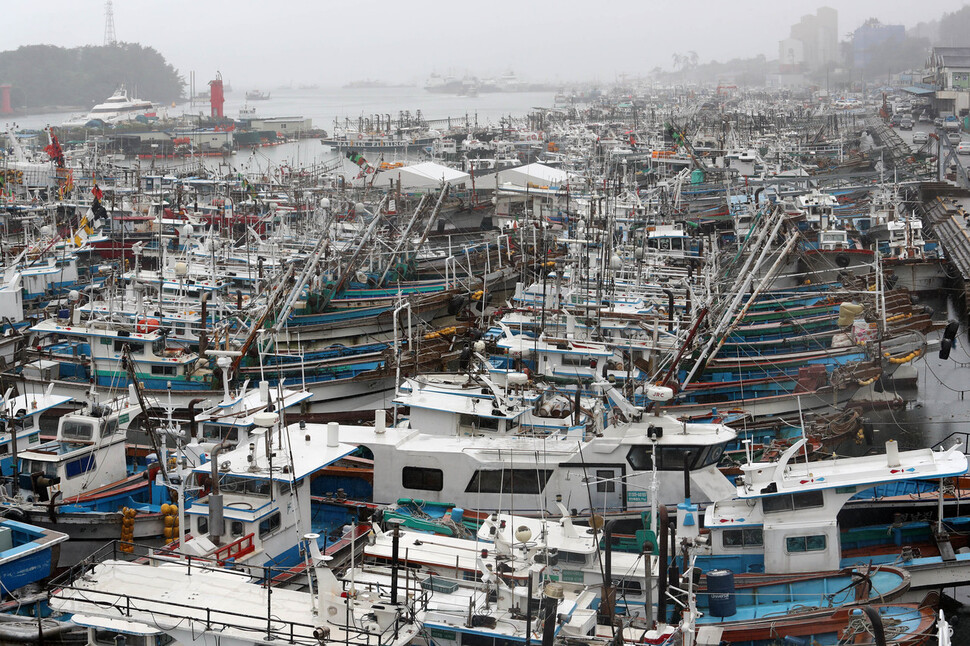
x=27, y=553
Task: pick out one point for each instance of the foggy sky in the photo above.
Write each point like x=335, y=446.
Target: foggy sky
x=256, y=43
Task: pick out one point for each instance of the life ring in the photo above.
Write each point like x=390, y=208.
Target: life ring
x=360, y=136
x=842, y=260
x=534, y=137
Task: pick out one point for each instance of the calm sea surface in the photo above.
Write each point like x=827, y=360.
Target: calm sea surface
x=323, y=105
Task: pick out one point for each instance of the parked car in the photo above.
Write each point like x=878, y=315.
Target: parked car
x=906, y=123
x=894, y=120
x=953, y=138
x=938, y=122
x=920, y=137
x=924, y=117
x=963, y=148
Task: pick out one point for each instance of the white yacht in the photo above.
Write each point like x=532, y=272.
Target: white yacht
x=118, y=107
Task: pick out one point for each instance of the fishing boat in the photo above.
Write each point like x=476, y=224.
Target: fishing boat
x=72, y=354
x=27, y=553
x=23, y=414
x=200, y=599
x=78, y=482
x=482, y=465
x=753, y=527
x=256, y=498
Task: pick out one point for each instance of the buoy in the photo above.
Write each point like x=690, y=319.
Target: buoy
x=145, y=325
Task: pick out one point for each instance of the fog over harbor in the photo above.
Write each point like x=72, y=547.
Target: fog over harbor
x=259, y=44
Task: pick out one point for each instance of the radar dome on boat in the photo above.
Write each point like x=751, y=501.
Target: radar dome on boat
x=73, y=295
x=659, y=393
x=516, y=378
x=46, y=230
x=181, y=269
x=523, y=534
x=324, y=202
x=188, y=230
x=264, y=419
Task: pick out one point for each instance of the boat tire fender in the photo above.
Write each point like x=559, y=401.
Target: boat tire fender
x=52, y=507
x=15, y=513
x=842, y=260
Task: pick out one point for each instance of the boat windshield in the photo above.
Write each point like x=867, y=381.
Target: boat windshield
x=76, y=430
x=244, y=486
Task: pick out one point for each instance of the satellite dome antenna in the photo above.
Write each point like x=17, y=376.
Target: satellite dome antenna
x=109, y=24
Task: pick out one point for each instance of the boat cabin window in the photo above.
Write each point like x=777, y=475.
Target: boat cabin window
x=572, y=558
x=80, y=466
x=709, y=455
x=24, y=423
x=135, y=348
x=220, y=432
x=579, y=360
x=813, y=543
x=109, y=638
x=244, y=486
x=481, y=423
x=270, y=524
x=38, y=466
x=523, y=481
x=284, y=488
x=110, y=427
x=201, y=525
x=640, y=457
x=422, y=478
x=604, y=481
x=76, y=430
x=158, y=347
x=628, y=587
x=163, y=370
x=788, y=502
x=673, y=458
x=747, y=537
x=236, y=528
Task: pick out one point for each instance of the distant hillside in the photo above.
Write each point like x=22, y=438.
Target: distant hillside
x=44, y=75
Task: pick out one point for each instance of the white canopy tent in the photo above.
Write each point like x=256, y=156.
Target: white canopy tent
x=423, y=175
x=535, y=174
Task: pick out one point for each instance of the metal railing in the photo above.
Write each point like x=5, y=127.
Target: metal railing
x=215, y=619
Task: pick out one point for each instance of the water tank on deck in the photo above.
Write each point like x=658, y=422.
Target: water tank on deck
x=720, y=593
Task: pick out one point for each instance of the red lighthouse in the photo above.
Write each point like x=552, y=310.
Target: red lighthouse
x=216, y=96
x=5, y=99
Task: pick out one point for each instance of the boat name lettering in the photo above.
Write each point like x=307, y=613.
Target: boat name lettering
x=443, y=634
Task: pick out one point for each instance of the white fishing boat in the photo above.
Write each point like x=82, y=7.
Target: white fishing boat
x=488, y=465
x=198, y=601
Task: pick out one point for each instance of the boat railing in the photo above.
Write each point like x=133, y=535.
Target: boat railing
x=237, y=548
x=213, y=619
x=962, y=436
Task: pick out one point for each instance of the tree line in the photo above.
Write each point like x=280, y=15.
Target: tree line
x=48, y=76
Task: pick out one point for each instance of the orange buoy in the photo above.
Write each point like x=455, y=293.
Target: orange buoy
x=146, y=325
